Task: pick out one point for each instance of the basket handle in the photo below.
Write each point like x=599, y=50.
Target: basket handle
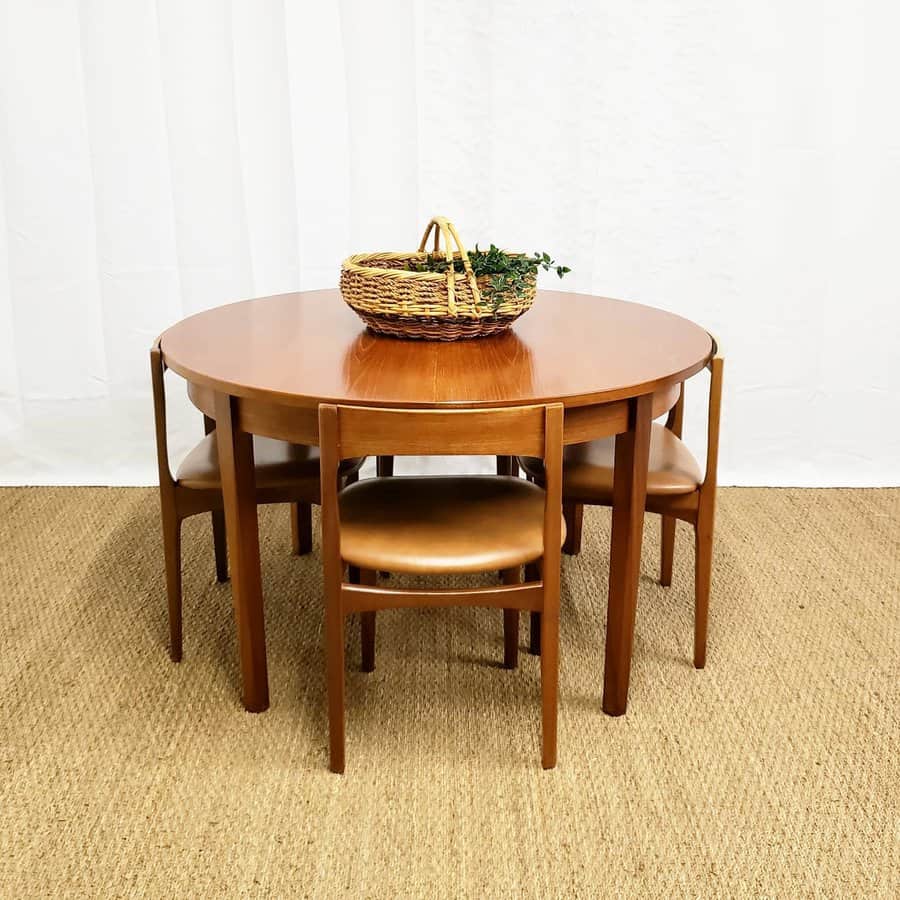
x=443, y=226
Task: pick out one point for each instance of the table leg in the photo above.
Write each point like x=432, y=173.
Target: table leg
x=239, y=493
x=629, y=497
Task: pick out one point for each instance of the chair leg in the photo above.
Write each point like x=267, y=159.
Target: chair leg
x=367, y=625
x=549, y=687
x=506, y=465
x=511, y=623
x=573, y=513
x=301, y=528
x=220, y=545
x=334, y=651
x=703, y=545
x=384, y=466
x=667, y=543
x=533, y=573
x=172, y=552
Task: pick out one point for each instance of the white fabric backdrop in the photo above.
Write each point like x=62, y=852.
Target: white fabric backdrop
x=736, y=163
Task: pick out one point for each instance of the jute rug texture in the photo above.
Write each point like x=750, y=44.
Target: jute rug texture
x=773, y=773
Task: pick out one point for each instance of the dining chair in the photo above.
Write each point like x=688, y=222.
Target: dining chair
x=676, y=489
x=442, y=525
x=285, y=473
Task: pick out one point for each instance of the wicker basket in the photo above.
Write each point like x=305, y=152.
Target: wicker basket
x=430, y=306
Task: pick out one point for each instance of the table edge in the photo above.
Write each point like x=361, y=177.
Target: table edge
x=585, y=398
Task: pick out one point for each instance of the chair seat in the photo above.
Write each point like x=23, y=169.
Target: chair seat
x=588, y=468
x=278, y=465
x=442, y=524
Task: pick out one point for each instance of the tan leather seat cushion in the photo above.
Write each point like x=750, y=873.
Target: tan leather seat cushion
x=588, y=468
x=278, y=464
x=442, y=524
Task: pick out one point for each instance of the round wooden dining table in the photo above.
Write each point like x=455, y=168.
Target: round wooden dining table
x=263, y=367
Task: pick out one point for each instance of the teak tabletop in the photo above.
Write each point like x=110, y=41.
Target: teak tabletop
x=263, y=367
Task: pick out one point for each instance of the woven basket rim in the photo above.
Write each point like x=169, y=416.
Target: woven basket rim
x=353, y=263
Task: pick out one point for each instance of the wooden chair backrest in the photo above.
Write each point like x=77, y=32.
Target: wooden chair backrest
x=411, y=432
x=715, y=366
x=676, y=413
x=157, y=377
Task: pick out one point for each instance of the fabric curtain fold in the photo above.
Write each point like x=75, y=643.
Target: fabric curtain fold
x=734, y=165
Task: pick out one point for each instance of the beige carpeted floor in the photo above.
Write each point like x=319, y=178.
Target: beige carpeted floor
x=774, y=772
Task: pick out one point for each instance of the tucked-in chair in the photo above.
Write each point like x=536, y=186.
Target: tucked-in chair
x=676, y=489
x=440, y=525
x=285, y=473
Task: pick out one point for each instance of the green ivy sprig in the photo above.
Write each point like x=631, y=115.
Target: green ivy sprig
x=510, y=272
